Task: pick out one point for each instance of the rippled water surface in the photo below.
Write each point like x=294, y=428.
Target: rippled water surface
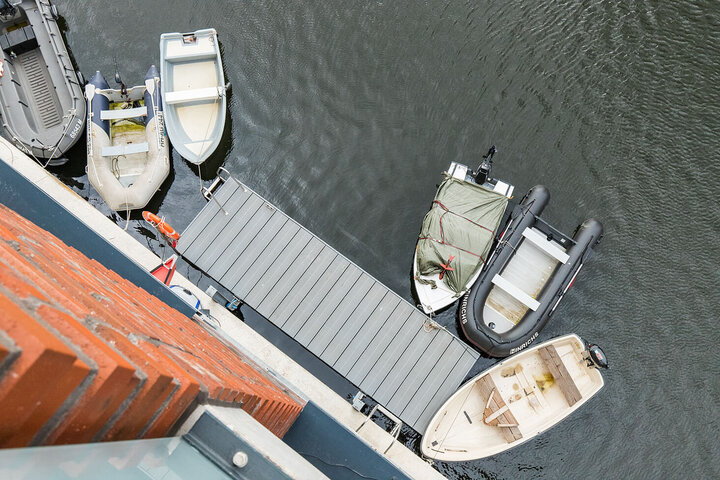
x=345, y=113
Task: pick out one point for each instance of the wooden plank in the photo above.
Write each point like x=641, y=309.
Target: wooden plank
x=198, y=224
x=416, y=373
x=254, y=250
x=344, y=313
x=309, y=293
x=410, y=333
x=339, y=290
x=240, y=240
x=274, y=252
x=447, y=388
x=406, y=366
x=380, y=341
x=562, y=377
x=429, y=387
x=349, y=330
x=486, y=386
x=207, y=258
x=219, y=221
x=350, y=356
x=270, y=298
x=278, y=268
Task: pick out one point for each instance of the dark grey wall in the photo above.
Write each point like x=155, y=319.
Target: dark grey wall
x=336, y=451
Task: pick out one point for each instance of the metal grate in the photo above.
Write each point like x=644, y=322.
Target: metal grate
x=40, y=89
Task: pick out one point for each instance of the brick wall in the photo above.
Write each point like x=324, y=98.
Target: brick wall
x=87, y=356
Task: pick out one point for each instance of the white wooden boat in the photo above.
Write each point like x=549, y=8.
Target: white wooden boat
x=193, y=92
x=515, y=400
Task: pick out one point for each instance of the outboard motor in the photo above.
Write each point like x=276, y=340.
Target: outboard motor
x=483, y=171
x=596, y=357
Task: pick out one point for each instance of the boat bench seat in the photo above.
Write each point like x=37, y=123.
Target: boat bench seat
x=127, y=149
x=195, y=95
x=497, y=412
x=541, y=241
x=195, y=55
x=515, y=292
x=562, y=377
x=123, y=113
x=19, y=41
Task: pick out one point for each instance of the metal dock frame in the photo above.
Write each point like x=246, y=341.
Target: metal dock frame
x=377, y=340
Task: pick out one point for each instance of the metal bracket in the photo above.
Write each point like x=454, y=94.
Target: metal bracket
x=208, y=192
x=394, y=431
x=357, y=401
x=233, y=304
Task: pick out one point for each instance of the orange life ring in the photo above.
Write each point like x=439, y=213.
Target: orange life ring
x=160, y=224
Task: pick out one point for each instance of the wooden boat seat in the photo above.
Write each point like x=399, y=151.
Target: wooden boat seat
x=123, y=113
x=128, y=149
x=497, y=412
x=558, y=369
x=541, y=241
x=515, y=292
x=19, y=41
x=195, y=95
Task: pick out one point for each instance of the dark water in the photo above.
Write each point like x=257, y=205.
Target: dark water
x=345, y=113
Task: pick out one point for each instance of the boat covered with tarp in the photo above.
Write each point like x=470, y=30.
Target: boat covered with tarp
x=457, y=235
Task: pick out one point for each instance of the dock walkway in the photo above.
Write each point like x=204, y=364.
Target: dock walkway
x=356, y=325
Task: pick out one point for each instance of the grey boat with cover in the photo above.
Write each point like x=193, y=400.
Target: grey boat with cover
x=458, y=233
x=41, y=101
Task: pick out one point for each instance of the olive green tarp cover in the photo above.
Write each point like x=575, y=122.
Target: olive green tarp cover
x=461, y=223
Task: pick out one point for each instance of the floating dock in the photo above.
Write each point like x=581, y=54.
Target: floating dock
x=355, y=324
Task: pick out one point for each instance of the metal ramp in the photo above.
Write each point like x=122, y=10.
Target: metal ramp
x=355, y=324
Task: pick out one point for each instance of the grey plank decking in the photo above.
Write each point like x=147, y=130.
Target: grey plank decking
x=339, y=312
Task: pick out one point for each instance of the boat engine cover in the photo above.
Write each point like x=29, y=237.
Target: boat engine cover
x=598, y=356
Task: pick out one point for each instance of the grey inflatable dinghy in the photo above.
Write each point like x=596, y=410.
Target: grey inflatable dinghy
x=127, y=149
x=41, y=102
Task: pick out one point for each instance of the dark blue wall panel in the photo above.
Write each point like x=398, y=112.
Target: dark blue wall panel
x=336, y=451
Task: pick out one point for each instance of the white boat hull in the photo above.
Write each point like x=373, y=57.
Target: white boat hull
x=471, y=425
x=193, y=92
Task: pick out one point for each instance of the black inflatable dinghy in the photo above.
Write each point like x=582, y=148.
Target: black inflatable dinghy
x=529, y=271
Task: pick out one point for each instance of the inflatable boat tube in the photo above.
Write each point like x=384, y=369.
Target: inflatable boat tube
x=481, y=321
x=128, y=159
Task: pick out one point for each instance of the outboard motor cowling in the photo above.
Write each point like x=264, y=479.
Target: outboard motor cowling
x=483, y=171
x=597, y=357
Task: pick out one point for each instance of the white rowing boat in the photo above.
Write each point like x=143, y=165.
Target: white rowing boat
x=193, y=92
x=515, y=400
